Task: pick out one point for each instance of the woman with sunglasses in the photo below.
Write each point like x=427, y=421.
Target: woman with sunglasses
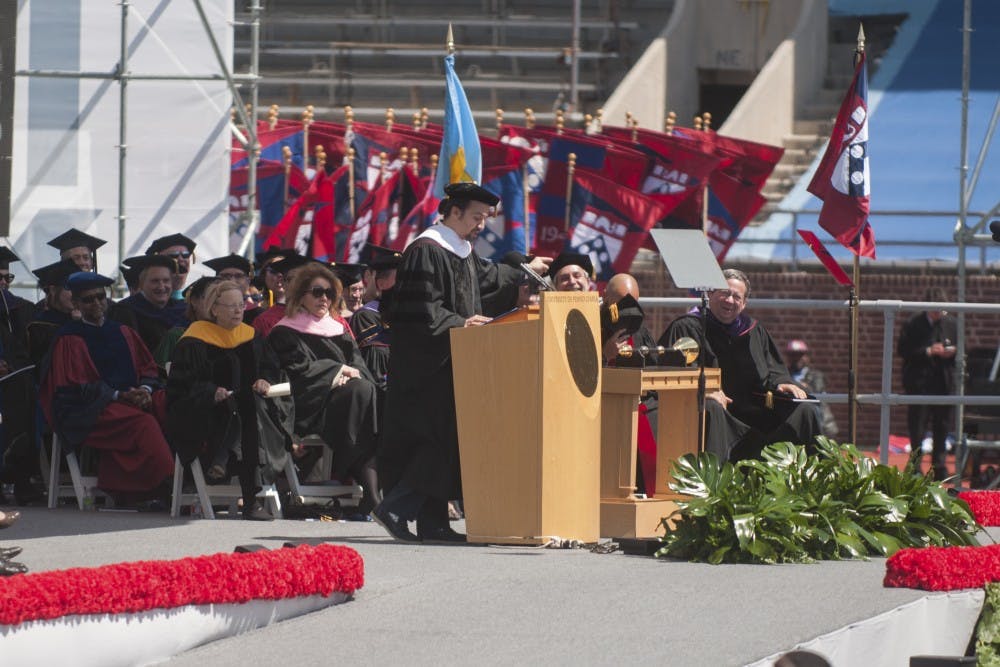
x=220, y=372
x=333, y=391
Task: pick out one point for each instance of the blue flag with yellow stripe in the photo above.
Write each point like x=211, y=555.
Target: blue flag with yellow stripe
x=461, y=157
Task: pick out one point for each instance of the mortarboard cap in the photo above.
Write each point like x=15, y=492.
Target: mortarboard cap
x=571, y=259
x=289, y=262
x=272, y=254
x=231, y=261
x=55, y=274
x=74, y=238
x=379, y=258
x=7, y=256
x=348, y=274
x=467, y=191
x=85, y=280
x=625, y=315
x=164, y=242
x=197, y=289
x=142, y=262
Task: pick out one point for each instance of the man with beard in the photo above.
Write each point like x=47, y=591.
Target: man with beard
x=756, y=405
x=100, y=390
x=180, y=249
x=438, y=287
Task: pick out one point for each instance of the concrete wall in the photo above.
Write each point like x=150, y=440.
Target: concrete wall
x=729, y=36
x=792, y=76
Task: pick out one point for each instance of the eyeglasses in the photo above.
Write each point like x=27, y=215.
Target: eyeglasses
x=92, y=298
x=730, y=294
x=319, y=292
x=9, y=277
x=185, y=254
x=232, y=306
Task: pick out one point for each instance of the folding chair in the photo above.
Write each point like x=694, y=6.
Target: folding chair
x=83, y=488
x=206, y=494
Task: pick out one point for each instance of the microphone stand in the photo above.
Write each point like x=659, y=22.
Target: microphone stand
x=703, y=319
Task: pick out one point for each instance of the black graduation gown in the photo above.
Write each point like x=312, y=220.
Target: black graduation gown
x=373, y=340
x=344, y=416
x=435, y=291
x=751, y=366
x=923, y=374
x=255, y=426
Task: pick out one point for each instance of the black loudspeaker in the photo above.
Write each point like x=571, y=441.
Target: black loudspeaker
x=8, y=43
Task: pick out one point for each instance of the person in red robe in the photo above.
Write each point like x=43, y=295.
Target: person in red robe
x=100, y=389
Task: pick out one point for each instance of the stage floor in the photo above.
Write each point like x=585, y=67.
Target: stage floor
x=491, y=605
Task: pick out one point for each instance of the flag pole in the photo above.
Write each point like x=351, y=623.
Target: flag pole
x=286, y=155
x=307, y=119
x=570, y=168
x=350, y=180
x=852, y=371
x=390, y=119
x=526, y=189
x=702, y=123
x=499, y=114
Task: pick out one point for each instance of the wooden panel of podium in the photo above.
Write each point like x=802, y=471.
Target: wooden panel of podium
x=528, y=399
x=622, y=514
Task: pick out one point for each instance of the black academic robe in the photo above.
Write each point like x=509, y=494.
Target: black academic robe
x=435, y=291
x=255, y=426
x=41, y=332
x=345, y=416
x=923, y=374
x=751, y=366
x=151, y=322
x=373, y=340
x=18, y=451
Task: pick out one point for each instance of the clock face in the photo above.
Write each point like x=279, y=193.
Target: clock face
x=581, y=352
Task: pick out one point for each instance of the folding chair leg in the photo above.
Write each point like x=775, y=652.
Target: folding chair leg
x=76, y=476
x=54, y=472
x=175, y=498
x=199, y=483
x=293, y=481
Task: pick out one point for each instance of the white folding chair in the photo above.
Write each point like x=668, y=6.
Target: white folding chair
x=206, y=495
x=83, y=488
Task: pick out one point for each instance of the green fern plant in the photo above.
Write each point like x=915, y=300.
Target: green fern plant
x=794, y=507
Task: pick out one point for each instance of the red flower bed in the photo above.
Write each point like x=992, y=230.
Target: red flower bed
x=943, y=568
x=144, y=585
x=985, y=506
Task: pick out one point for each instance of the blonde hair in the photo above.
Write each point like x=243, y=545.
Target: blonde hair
x=301, y=280
x=215, y=291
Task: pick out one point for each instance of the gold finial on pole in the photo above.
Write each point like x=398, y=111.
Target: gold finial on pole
x=348, y=118
x=628, y=119
x=450, y=43
x=404, y=157
x=570, y=168
x=383, y=158
x=307, y=119
x=434, y=163
x=706, y=121
x=499, y=113
x=272, y=116
x=599, y=117
x=635, y=130
x=529, y=118
x=697, y=123
x=350, y=182
x=286, y=158
x=861, y=38
x=415, y=161
x=588, y=121
x=669, y=122
x=424, y=115
x=390, y=119
x=560, y=120
x=320, y=158
x=416, y=121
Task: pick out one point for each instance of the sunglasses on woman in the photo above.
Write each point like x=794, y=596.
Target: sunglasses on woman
x=185, y=254
x=319, y=292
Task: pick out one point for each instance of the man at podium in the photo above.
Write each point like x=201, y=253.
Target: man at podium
x=440, y=285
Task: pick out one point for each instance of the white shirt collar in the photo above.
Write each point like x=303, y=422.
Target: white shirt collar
x=447, y=238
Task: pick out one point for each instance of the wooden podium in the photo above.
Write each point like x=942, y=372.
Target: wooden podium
x=622, y=514
x=528, y=398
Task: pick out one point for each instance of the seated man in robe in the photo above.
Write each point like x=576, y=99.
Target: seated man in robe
x=754, y=408
x=79, y=248
x=152, y=311
x=99, y=389
x=370, y=331
x=351, y=276
x=57, y=307
x=572, y=272
x=180, y=249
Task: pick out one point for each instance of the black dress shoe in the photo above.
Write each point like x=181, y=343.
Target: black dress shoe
x=8, y=518
x=10, y=568
x=397, y=527
x=6, y=553
x=257, y=512
x=440, y=535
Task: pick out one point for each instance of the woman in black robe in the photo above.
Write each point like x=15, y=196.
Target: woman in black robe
x=333, y=391
x=220, y=372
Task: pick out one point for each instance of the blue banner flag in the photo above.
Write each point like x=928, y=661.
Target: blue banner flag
x=461, y=157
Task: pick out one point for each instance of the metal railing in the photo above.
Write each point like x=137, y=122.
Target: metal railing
x=885, y=399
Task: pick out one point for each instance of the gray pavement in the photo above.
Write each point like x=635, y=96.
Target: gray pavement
x=424, y=605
